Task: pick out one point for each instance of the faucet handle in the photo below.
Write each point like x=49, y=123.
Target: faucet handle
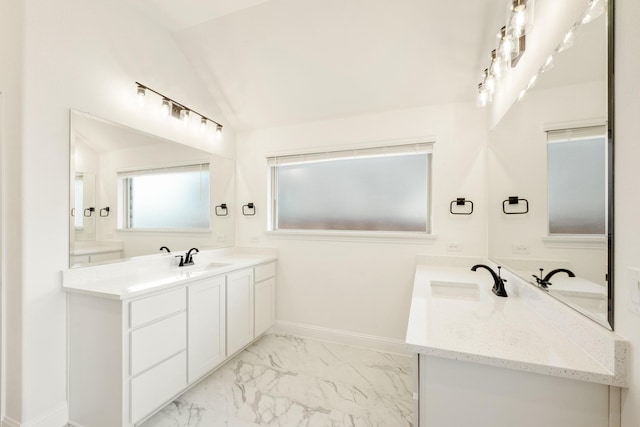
x=181, y=260
x=500, y=268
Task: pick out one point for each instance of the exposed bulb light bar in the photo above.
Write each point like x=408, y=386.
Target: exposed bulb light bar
x=176, y=109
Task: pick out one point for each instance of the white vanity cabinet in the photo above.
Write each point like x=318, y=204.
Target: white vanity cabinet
x=207, y=321
x=126, y=358
x=456, y=393
x=265, y=297
x=130, y=356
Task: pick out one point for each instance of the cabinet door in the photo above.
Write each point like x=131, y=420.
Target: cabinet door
x=206, y=326
x=239, y=310
x=264, y=305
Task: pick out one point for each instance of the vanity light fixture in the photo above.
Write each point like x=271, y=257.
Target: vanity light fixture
x=176, y=109
x=510, y=46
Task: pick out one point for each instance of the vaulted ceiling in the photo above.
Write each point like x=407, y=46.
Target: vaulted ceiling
x=277, y=62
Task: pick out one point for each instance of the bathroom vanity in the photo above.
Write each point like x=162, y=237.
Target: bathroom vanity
x=523, y=360
x=142, y=332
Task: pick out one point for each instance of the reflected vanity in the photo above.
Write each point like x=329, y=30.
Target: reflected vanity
x=554, y=148
x=132, y=192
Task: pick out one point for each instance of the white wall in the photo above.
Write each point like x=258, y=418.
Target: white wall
x=82, y=54
x=627, y=204
x=365, y=287
x=11, y=52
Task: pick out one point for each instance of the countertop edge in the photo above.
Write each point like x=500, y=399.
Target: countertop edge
x=554, y=371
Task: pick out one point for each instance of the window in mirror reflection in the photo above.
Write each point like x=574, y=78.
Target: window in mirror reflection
x=78, y=210
x=167, y=198
x=576, y=180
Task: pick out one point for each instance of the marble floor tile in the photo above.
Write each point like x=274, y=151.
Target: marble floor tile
x=284, y=381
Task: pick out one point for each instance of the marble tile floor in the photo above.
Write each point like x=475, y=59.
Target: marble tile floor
x=286, y=381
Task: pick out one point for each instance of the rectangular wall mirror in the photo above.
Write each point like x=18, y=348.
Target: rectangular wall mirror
x=554, y=148
x=132, y=193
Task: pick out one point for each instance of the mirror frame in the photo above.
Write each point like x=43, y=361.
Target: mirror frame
x=611, y=159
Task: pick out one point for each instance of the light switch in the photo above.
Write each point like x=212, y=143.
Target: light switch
x=633, y=279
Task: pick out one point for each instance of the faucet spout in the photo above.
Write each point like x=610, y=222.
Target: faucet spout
x=558, y=270
x=498, y=282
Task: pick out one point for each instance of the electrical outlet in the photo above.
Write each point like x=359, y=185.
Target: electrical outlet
x=221, y=238
x=454, y=247
x=633, y=279
x=520, y=248
x=254, y=239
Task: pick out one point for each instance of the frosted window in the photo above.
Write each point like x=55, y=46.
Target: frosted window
x=576, y=174
x=382, y=193
x=176, y=199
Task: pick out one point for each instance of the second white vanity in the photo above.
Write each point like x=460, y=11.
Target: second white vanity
x=525, y=360
x=142, y=332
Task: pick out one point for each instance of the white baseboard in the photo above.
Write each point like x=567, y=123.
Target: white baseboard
x=8, y=422
x=56, y=418
x=371, y=342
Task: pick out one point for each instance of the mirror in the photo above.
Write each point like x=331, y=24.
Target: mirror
x=550, y=178
x=132, y=192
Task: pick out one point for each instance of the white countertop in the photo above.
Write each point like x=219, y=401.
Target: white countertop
x=136, y=279
x=491, y=330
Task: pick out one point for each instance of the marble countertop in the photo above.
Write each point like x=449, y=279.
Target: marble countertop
x=483, y=328
x=135, y=279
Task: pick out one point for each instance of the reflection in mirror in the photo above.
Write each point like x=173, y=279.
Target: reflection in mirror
x=131, y=193
x=552, y=149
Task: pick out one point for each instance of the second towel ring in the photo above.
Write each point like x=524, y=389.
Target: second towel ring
x=222, y=210
x=514, y=200
x=249, y=209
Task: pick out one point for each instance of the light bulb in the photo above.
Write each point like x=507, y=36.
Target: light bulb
x=141, y=94
x=483, y=96
x=203, y=124
x=219, y=132
x=489, y=82
x=166, y=107
x=184, y=116
x=495, y=68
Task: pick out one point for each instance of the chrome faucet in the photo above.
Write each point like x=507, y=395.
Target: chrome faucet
x=498, y=282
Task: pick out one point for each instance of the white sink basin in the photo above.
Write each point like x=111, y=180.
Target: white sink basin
x=201, y=268
x=455, y=290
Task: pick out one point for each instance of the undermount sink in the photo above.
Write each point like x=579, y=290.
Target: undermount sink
x=455, y=290
x=200, y=268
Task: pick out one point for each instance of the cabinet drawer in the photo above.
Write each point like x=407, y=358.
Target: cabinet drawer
x=156, y=386
x=263, y=272
x=157, y=306
x=156, y=342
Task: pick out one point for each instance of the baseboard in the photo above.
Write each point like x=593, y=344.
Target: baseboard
x=371, y=342
x=56, y=418
x=8, y=422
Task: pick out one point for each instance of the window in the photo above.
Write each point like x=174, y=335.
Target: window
x=576, y=181
x=381, y=189
x=168, y=198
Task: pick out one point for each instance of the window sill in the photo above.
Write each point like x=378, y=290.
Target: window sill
x=576, y=242
x=354, y=236
x=165, y=230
